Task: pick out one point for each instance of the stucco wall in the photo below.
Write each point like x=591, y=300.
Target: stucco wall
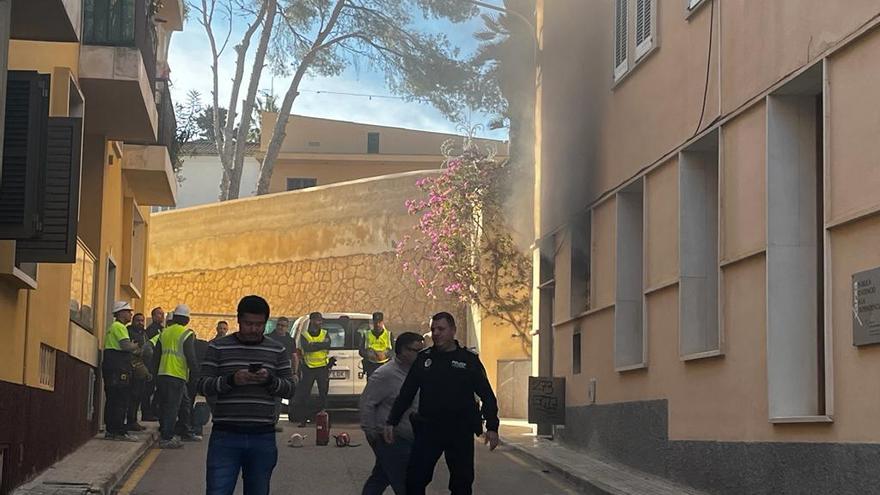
x=640, y=123
x=328, y=248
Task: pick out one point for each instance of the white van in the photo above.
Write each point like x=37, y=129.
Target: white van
x=347, y=378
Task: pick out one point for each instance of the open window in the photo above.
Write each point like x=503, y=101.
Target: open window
x=580, y=264
x=796, y=332
x=134, y=246
x=699, y=334
x=629, y=334
x=82, y=289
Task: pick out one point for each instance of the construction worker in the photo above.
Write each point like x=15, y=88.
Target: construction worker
x=176, y=348
x=377, y=345
x=116, y=370
x=315, y=346
x=446, y=377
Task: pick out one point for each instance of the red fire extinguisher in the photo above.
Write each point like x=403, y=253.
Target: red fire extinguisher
x=322, y=427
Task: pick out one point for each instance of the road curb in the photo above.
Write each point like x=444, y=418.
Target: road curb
x=585, y=485
x=112, y=484
x=71, y=475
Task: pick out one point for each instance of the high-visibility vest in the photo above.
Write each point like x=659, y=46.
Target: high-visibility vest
x=116, y=333
x=380, y=344
x=316, y=359
x=173, y=360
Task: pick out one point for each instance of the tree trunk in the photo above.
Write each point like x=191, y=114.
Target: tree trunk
x=248, y=106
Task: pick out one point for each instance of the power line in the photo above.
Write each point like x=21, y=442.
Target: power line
x=364, y=95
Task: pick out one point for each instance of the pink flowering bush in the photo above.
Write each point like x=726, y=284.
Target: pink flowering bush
x=461, y=245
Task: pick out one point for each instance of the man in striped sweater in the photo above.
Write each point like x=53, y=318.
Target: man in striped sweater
x=245, y=372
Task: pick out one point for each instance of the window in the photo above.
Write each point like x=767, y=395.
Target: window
x=629, y=335
x=644, y=28
x=134, y=248
x=47, y=366
x=796, y=338
x=82, y=289
x=620, y=30
x=693, y=4
x=580, y=265
x=372, y=142
x=294, y=183
x=576, y=351
x=698, y=247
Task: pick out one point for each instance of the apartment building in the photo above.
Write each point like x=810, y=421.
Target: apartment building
x=706, y=224
x=87, y=128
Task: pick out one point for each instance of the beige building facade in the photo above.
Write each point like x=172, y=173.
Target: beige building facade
x=320, y=151
x=705, y=193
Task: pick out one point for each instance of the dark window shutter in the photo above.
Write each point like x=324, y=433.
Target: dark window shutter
x=372, y=142
x=56, y=241
x=27, y=109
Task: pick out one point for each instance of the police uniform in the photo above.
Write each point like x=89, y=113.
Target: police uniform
x=448, y=416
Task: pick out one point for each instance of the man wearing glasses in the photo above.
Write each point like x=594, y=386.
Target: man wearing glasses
x=375, y=404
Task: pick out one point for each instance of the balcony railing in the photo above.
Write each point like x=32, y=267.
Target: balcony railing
x=167, y=120
x=126, y=23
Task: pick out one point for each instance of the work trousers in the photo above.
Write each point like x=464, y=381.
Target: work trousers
x=146, y=398
x=432, y=441
x=173, y=410
x=254, y=455
x=390, y=467
x=370, y=367
x=301, y=408
x=134, y=402
x=117, y=388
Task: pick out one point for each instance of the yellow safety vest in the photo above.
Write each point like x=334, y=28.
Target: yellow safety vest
x=316, y=359
x=116, y=333
x=173, y=361
x=380, y=344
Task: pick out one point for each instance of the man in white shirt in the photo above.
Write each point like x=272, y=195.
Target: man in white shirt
x=376, y=401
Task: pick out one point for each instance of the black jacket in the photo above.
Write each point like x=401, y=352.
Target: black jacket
x=447, y=383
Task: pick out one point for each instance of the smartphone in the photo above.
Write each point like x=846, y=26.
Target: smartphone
x=254, y=367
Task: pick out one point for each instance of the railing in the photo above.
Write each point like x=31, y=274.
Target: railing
x=167, y=135
x=122, y=23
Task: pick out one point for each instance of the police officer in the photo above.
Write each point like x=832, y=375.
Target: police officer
x=315, y=346
x=377, y=345
x=447, y=377
x=116, y=370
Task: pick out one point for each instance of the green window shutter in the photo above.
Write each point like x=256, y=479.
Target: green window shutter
x=56, y=241
x=27, y=110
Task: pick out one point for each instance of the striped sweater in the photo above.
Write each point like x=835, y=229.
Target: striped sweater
x=244, y=408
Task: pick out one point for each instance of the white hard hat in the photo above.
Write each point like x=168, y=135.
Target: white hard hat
x=181, y=310
x=121, y=306
x=296, y=440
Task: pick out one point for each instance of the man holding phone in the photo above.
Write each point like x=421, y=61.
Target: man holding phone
x=243, y=435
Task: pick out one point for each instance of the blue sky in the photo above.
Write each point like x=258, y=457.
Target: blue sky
x=190, y=59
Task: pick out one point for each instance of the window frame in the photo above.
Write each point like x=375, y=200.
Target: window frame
x=642, y=48
x=370, y=137
x=621, y=67
x=87, y=254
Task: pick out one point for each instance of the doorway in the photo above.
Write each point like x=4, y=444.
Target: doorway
x=513, y=380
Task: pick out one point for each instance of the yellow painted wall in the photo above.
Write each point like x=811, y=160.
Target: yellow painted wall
x=330, y=172
x=329, y=248
x=13, y=309
x=43, y=56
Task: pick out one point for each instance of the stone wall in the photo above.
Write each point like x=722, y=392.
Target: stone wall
x=328, y=248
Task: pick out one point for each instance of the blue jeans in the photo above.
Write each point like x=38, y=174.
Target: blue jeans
x=254, y=455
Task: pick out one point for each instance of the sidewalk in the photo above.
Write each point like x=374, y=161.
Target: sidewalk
x=588, y=473
x=95, y=468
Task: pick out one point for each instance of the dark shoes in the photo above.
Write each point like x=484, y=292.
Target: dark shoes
x=149, y=419
x=191, y=437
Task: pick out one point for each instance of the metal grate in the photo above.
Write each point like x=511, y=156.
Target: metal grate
x=47, y=366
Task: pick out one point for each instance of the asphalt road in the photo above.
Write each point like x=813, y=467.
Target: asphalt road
x=335, y=471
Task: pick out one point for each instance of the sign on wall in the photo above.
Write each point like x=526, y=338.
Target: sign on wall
x=546, y=400
x=866, y=307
